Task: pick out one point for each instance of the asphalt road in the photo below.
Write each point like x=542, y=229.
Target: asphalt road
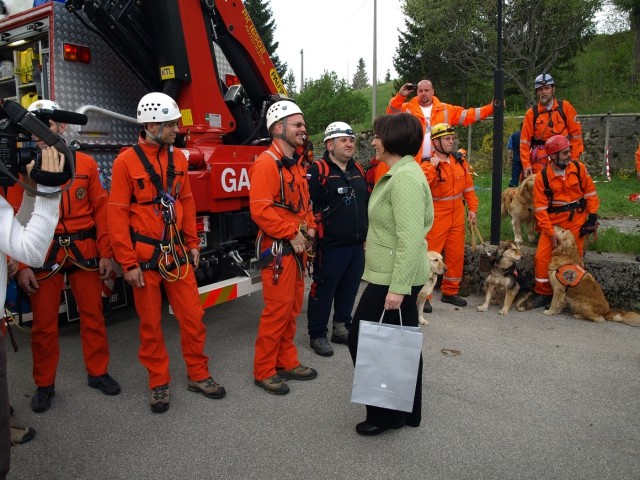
x=528, y=397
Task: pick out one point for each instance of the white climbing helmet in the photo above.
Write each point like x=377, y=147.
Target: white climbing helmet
x=43, y=105
x=157, y=107
x=338, y=129
x=280, y=110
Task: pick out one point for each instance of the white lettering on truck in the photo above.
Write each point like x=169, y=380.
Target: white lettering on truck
x=231, y=183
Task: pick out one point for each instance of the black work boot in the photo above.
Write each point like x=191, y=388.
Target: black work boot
x=456, y=300
x=541, y=301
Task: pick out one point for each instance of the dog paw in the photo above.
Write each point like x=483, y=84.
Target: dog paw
x=423, y=321
x=482, y=308
x=503, y=311
x=549, y=312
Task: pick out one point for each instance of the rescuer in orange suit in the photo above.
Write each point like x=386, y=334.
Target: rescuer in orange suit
x=81, y=249
x=151, y=210
x=451, y=187
x=549, y=121
x=281, y=207
x=427, y=108
x=571, y=202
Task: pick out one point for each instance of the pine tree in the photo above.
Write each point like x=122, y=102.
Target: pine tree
x=261, y=14
x=360, y=79
x=387, y=76
x=290, y=82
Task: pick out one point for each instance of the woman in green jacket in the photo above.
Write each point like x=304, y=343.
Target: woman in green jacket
x=396, y=265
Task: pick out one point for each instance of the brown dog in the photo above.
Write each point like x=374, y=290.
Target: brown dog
x=517, y=202
x=505, y=276
x=437, y=267
x=573, y=285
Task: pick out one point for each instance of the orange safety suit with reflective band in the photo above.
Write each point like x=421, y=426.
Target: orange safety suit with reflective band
x=548, y=124
x=567, y=187
x=283, y=301
x=440, y=113
x=451, y=187
x=132, y=206
x=638, y=160
x=83, y=207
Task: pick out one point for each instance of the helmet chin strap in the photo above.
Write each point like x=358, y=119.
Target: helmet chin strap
x=283, y=135
x=439, y=149
x=157, y=138
x=558, y=163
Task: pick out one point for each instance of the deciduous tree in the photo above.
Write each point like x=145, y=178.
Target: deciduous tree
x=539, y=36
x=329, y=99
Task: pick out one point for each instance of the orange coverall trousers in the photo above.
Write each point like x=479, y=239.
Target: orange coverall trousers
x=86, y=287
x=183, y=297
x=447, y=235
x=545, y=247
x=282, y=304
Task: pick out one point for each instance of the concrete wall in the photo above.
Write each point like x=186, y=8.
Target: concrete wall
x=618, y=274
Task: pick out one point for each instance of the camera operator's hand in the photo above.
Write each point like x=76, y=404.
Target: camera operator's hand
x=27, y=280
x=52, y=161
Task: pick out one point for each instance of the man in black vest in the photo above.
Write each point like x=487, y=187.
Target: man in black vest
x=339, y=194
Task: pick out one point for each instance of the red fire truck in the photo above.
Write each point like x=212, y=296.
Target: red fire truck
x=99, y=57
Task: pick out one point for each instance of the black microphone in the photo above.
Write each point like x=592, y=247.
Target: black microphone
x=62, y=116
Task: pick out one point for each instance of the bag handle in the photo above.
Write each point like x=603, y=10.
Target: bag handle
x=382, y=316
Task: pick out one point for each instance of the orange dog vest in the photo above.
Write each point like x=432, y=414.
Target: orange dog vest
x=570, y=275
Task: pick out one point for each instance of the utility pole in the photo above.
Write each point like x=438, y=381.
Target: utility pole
x=498, y=127
x=301, y=69
x=374, y=80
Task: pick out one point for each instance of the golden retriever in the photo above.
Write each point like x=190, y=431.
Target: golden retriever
x=574, y=286
x=517, y=202
x=437, y=267
x=504, y=275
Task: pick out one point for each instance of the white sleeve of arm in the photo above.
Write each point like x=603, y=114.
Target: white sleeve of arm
x=29, y=242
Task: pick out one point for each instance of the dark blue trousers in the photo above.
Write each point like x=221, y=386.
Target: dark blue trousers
x=516, y=170
x=336, y=278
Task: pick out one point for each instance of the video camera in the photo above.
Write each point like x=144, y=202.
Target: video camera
x=18, y=125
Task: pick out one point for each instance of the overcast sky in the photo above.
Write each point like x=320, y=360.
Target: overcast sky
x=335, y=34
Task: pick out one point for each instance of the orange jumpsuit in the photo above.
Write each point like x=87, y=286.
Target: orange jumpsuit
x=638, y=160
x=13, y=195
x=566, y=189
x=131, y=205
x=440, y=113
x=451, y=187
x=82, y=208
x=548, y=123
x=282, y=302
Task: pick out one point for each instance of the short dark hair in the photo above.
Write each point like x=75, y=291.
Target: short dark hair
x=400, y=134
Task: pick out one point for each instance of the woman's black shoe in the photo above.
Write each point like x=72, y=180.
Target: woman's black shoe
x=365, y=428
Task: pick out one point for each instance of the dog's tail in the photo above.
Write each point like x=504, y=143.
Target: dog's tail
x=623, y=316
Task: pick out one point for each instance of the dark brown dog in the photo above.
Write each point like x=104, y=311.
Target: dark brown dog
x=504, y=276
x=574, y=286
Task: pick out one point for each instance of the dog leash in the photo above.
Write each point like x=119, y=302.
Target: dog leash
x=475, y=232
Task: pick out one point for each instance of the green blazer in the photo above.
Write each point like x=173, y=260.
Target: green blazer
x=400, y=215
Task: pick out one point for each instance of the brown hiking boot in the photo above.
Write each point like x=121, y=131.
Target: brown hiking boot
x=274, y=384
x=299, y=373
x=160, y=399
x=207, y=387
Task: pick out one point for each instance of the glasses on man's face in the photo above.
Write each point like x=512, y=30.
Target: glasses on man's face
x=298, y=125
